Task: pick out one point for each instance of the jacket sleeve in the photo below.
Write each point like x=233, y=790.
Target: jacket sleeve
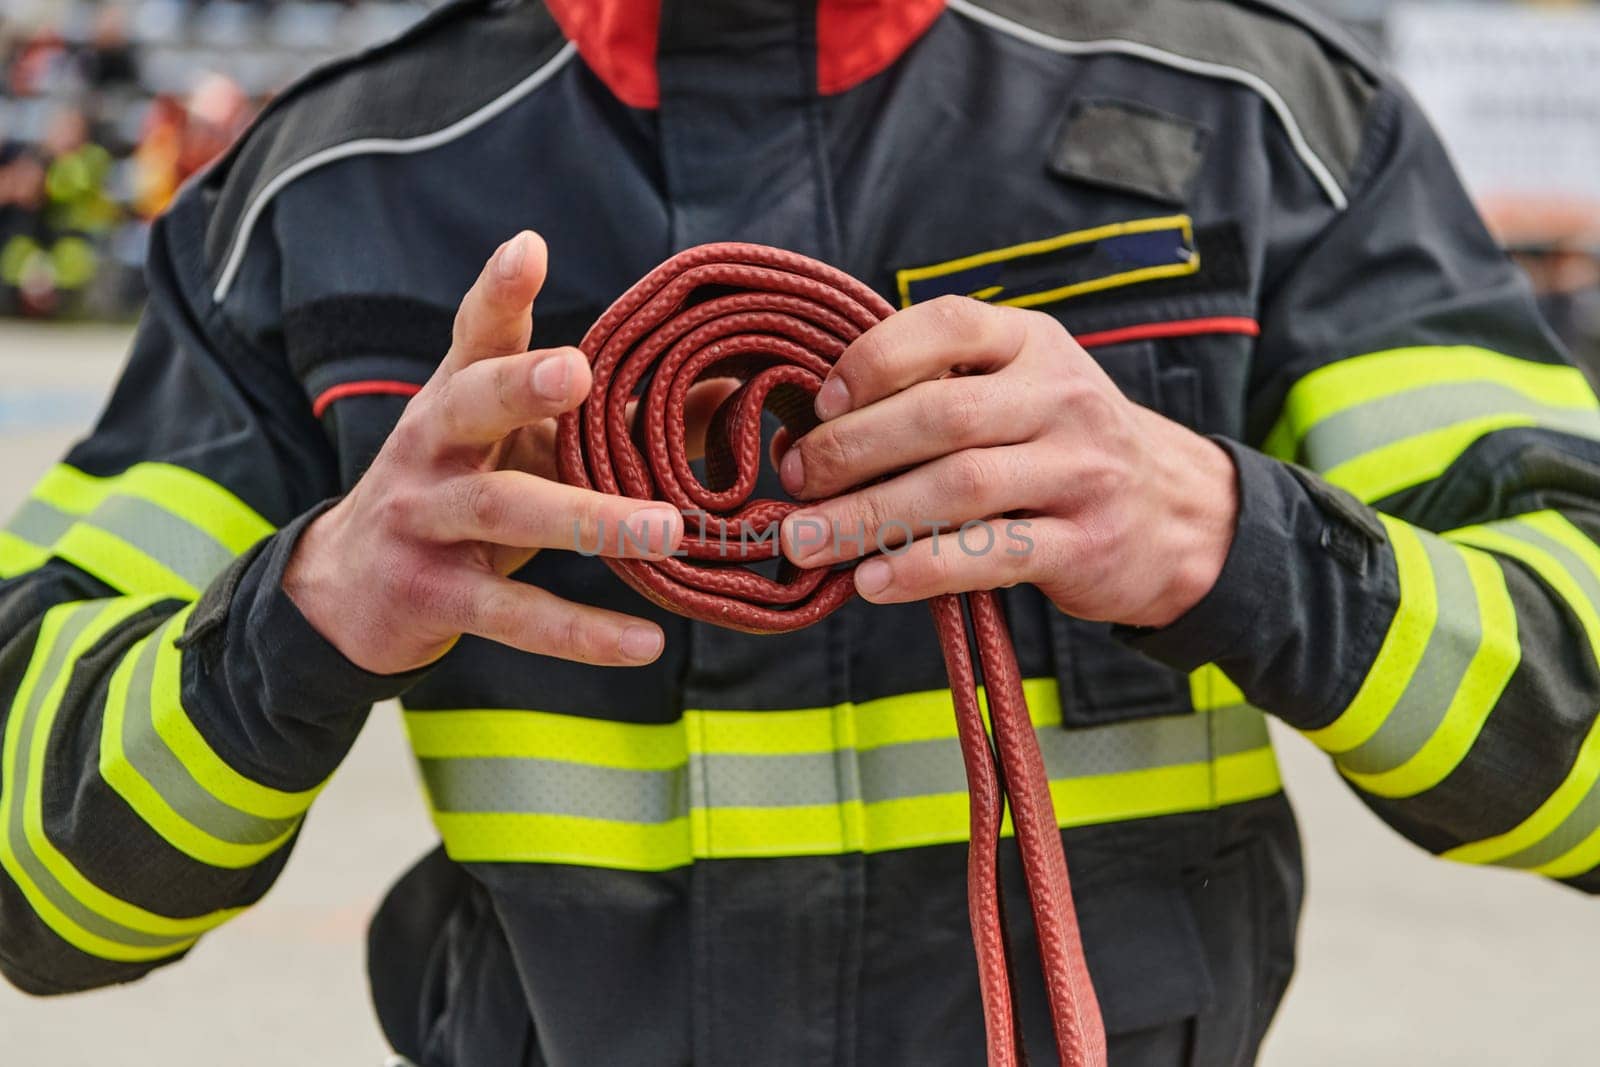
x=1415, y=578
x=167, y=714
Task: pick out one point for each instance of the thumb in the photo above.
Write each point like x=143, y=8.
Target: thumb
x=495, y=317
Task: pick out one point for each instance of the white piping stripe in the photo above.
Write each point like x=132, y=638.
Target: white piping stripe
x=1319, y=170
x=378, y=146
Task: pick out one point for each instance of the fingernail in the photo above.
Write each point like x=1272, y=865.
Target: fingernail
x=833, y=399
x=641, y=644
x=651, y=527
x=872, y=577
x=512, y=253
x=792, y=471
x=551, y=376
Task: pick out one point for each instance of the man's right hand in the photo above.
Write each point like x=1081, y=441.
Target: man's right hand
x=464, y=492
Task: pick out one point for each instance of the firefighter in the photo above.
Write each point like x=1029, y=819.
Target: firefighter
x=1289, y=433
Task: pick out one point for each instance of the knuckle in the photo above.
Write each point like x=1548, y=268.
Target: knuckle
x=481, y=505
x=869, y=360
x=951, y=311
x=397, y=508
x=967, y=476
x=498, y=612
x=926, y=570
x=512, y=387
x=446, y=408
x=405, y=442
x=424, y=589
x=578, y=639
x=963, y=408
x=1039, y=323
x=828, y=452
x=1055, y=391
x=961, y=319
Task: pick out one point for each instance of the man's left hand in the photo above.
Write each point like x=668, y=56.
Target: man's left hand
x=970, y=412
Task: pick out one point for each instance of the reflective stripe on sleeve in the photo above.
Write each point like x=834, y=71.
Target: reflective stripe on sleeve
x=82, y=913
x=537, y=787
x=1562, y=838
x=154, y=529
x=1450, y=649
x=1379, y=423
x=156, y=760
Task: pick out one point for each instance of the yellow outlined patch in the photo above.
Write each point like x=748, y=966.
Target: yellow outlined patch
x=1066, y=265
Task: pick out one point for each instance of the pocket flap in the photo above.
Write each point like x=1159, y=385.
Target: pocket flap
x=1102, y=680
x=1131, y=148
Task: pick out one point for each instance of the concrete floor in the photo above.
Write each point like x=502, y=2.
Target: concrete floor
x=1404, y=960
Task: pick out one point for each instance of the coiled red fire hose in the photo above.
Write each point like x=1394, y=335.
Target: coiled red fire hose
x=778, y=321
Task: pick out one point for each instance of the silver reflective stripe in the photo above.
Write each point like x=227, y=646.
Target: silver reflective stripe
x=187, y=551
x=510, y=784
x=1583, y=819
x=40, y=524
x=1377, y=423
x=184, y=549
x=147, y=752
x=724, y=781
x=1457, y=633
x=19, y=786
x=493, y=783
x=1571, y=831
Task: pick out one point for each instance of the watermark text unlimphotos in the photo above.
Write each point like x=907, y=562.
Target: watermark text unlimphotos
x=893, y=537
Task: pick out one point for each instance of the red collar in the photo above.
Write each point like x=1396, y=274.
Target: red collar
x=855, y=40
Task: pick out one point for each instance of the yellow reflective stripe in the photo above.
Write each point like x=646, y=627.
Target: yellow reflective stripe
x=18, y=556
x=1379, y=423
x=1586, y=767
x=1414, y=460
x=924, y=716
x=891, y=720
x=120, y=565
x=535, y=837
x=192, y=497
x=143, y=796
x=153, y=529
x=792, y=732
x=851, y=826
x=209, y=769
x=1242, y=776
x=535, y=734
x=1485, y=678
x=182, y=932
x=1337, y=387
x=1402, y=648
x=1580, y=859
x=1210, y=688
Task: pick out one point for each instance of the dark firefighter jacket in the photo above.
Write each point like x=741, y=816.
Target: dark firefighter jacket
x=752, y=851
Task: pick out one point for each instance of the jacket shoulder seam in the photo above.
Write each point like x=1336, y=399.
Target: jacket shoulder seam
x=367, y=104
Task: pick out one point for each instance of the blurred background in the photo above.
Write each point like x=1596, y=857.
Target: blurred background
x=106, y=106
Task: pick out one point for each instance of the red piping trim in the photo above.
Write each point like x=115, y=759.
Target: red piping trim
x=1141, y=332
x=1145, y=331
x=369, y=388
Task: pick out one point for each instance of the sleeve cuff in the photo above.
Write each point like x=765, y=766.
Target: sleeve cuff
x=308, y=663
x=288, y=702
